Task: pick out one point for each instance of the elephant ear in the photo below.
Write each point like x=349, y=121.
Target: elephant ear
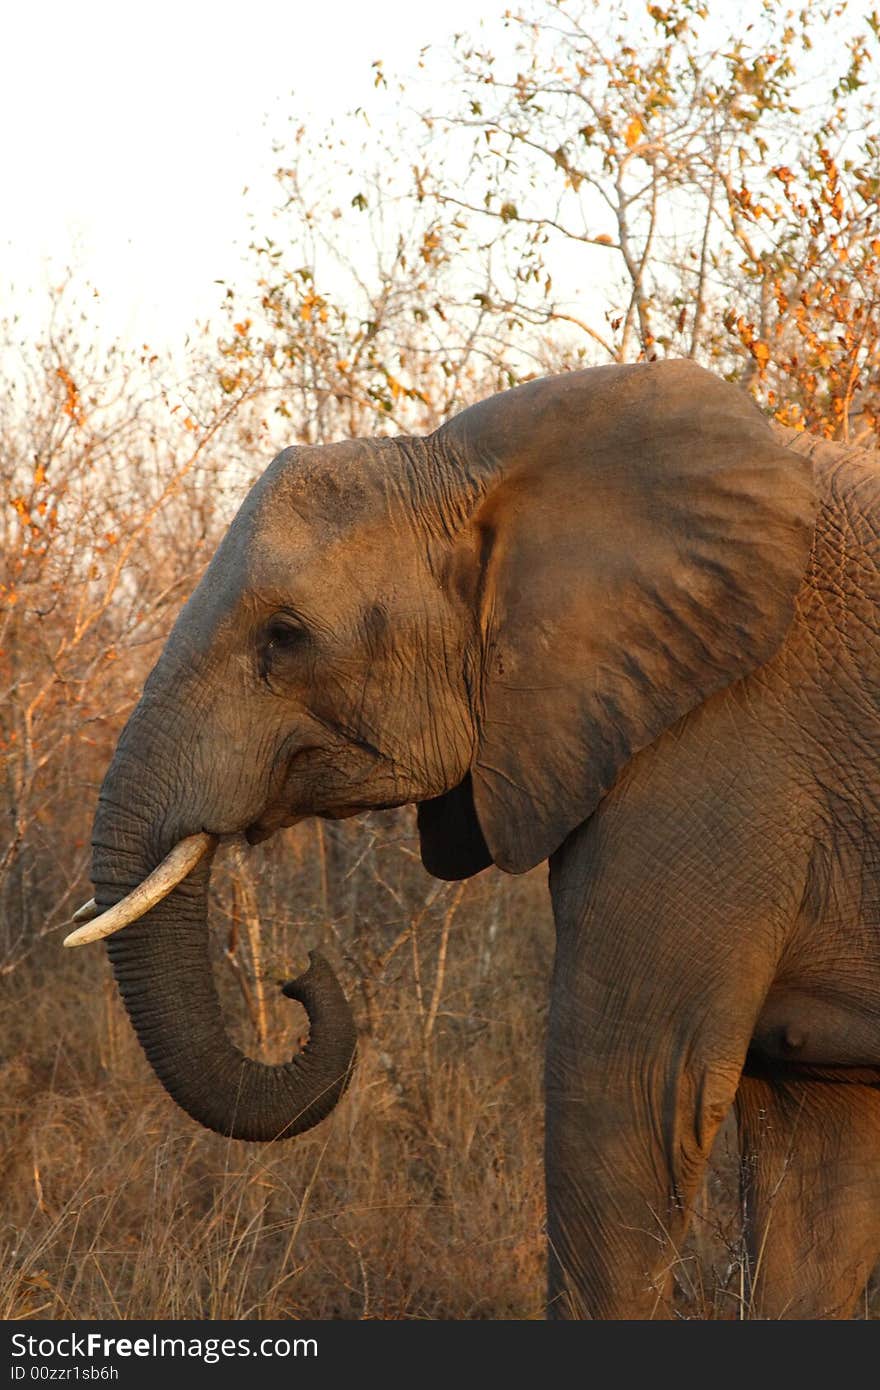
x=635, y=542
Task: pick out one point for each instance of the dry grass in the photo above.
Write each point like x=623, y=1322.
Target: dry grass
x=420, y=1198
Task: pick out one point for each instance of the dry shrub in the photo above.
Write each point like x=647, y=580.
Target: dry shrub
x=115, y=486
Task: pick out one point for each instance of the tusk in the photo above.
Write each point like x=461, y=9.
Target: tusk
x=156, y=886
x=86, y=912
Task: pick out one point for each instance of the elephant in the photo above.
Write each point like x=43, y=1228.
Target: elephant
x=618, y=620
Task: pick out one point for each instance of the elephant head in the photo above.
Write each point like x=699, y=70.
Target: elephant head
x=488, y=622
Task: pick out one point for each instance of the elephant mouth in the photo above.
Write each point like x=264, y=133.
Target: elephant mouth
x=359, y=808
x=93, y=924
x=266, y=826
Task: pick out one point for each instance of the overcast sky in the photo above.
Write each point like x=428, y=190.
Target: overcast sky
x=131, y=131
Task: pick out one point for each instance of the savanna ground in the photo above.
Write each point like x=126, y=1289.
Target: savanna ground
x=717, y=195
x=421, y=1197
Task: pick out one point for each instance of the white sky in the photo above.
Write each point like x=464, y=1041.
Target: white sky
x=130, y=132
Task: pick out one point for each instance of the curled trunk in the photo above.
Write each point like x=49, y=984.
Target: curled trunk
x=165, y=977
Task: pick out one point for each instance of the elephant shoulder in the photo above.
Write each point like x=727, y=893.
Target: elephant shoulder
x=848, y=486
x=847, y=482
x=837, y=623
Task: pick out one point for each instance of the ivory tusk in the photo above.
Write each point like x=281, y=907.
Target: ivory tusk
x=86, y=912
x=156, y=886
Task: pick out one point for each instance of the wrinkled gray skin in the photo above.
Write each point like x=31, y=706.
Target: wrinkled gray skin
x=608, y=619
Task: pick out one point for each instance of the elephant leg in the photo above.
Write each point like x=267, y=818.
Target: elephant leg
x=811, y=1194
x=647, y=1035
x=672, y=906
x=626, y=1145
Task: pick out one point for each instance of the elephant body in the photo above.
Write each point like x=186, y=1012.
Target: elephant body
x=757, y=817
x=613, y=620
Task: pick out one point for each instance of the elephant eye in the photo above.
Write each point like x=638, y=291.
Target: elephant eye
x=284, y=632
x=284, y=636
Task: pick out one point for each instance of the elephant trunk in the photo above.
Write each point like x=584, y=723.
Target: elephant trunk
x=164, y=973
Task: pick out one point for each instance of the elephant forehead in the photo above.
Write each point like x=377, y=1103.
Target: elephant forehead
x=332, y=486
x=299, y=562
x=328, y=569
x=327, y=519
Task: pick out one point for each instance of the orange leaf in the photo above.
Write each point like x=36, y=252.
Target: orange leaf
x=634, y=132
